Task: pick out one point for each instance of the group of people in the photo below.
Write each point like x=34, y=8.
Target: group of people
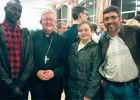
x=47, y=63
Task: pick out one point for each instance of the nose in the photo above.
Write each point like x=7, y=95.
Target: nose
x=17, y=11
x=110, y=20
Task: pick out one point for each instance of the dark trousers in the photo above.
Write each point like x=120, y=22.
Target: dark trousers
x=45, y=90
x=5, y=94
x=121, y=91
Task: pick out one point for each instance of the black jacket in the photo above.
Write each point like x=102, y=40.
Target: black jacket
x=131, y=37
x=83, y=75
x=26, y=61
x=57, y=57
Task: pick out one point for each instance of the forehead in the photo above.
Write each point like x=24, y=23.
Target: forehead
x=85, y=25
x=110, y=14
x=101, y=24
x=48, y=15
x=84, y=11
x=14, y=4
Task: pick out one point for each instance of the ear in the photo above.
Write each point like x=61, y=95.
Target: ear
x=79, y=15
x=121, y=19
x=5, y=9
x=40, y=21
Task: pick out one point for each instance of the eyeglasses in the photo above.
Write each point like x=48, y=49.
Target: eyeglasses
x=85, y=13
x=46, y=20
x=110, y=18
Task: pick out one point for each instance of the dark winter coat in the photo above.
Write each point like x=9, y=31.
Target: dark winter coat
x=83, y=75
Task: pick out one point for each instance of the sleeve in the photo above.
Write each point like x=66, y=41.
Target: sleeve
x=5, y=78
x=95, y=78
x=138, y=46
x=61, y=70
x=28, y=62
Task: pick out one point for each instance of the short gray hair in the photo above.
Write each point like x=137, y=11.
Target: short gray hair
x=48, y=11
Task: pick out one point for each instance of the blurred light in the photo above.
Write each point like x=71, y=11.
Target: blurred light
x=90, y=3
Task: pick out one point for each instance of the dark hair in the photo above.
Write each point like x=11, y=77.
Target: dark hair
x=94, y=26
x=88, y=23
x=137, y=17
x=60, y=23
x=76, y=11
x=9, y=2
x=112, y=9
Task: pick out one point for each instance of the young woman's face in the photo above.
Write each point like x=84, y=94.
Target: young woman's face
x=84, y=32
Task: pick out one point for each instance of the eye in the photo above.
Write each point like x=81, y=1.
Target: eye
x=16, y=9
x=110, y=18
x=80, y=30
x=86, y=30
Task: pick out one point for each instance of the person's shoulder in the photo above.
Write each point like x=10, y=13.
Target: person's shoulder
x=35, y=32
x=60, y=37
x=0, y=26
x=71, y=30
x=103, y=37
x=128, y=29
x=24, y=29
x=1, y=30
x=92, y=44
x=67, y=32
x=25, y=32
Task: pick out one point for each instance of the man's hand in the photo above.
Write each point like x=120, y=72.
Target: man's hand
x=41, y=74
x=16, y=92
x=86, y=98
x=49, y=74
x=45, y=74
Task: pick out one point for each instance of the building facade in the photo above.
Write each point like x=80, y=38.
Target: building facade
x=129, y=9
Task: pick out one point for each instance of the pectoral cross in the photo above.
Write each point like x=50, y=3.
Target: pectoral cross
x=46, y=59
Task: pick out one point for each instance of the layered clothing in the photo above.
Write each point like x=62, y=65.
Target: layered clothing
x=131, y=38
x=54, y=47
x=7, y=83
x=71, y=34
x=83, y=76
x=121, y=78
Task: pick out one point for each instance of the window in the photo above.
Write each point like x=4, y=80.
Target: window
x=128, y=5
x=91, y=9
x=128, y=15
x=129, y=8
x=62, y=14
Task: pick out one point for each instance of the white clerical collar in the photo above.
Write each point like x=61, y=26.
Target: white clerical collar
x=47, y=35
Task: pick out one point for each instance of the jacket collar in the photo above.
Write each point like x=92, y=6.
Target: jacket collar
x=75, y=45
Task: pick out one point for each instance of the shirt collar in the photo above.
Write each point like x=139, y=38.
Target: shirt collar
x=6, y=26
x=113, y=38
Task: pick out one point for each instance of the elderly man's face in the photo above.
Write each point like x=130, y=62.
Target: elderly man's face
x=13, y=11
x=48, y=22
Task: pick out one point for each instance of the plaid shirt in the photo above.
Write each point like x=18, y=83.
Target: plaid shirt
x=12, y=40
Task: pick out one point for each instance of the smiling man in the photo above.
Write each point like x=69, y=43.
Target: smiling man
x=50, y=56
x=16, y=55
x=121, y=53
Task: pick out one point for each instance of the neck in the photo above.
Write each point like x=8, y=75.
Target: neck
x=47, y=32
x=10, y=23
x=76, y=22
x=85, y=41
x=114, y=33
